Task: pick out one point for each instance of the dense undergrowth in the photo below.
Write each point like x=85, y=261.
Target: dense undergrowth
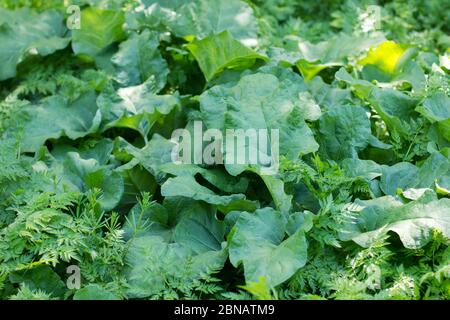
x=359, y=208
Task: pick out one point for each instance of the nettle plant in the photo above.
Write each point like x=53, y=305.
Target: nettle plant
x=224, y=149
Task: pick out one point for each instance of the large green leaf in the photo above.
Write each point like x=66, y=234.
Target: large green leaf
x=99, y=29
x=199, y=18
x=436, y=108
x=257, y=241
x=55, y=117
x=217, y=177
x=260, y=101
x=275, y=185
x=405, y=175
x=345, y=131
x=444, y=128
x=40, y=278
x=399, y=176
x=138, y=59
x=362, y=88
x=199, y=230
x=174, y=220
x=187, y=186
x=156, y=157
x=181, y=239
x=332, y=53
x=157, y=152
x=25, y=32
x=136, y=181
x=394, y=107
x=82, y=174
x=410, y=75
x=137, y=107
x=413, y=222
x=366, y=169
x=216, y=53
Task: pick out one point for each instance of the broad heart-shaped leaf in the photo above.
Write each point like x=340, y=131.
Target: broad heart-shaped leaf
x=157, y=152
x=443, y=185
x=361, y=88
x=197, y=226
x=393, y=106
x=99, y=29
x=138, y=59
x=137, y=108
x=332, y=53
x=409, y=72
x=99, y=150
x=40, y=278
x=136, y=181
x=200, y=18
x=261, y=101
x=155, y=219
x=217, y=177
x=25, y=32
x=366, y=169
x=156, y=157
x=436, y=108
x=402, y=175
x=187, y=186
x=55, y=117
x=257, y=241
x=328, y=96
x=275, y=185
x=78, y=174
x=405, y=175
x=413, y=222
x=345, y=131
x=181, y=238
x=216, y=53
x=175, y=220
